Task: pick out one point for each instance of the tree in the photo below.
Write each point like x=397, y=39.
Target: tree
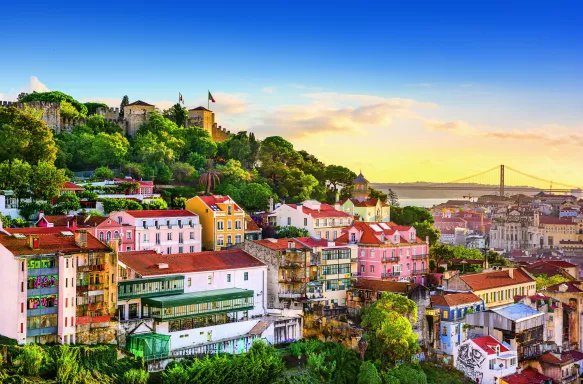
x=432, y=265
x=544, y=281
x=210, y=178
x=291, y=231
x=109, y=149
x=92, y=107
x=388, y=322
x=15, y=176
x=179, y=202
x=46, y=180
x=425, y=229
x=55, y=96
x=156, y=204
x=338, y=176
x=368, y=374
x=256, y=196
x=409, y=215
x=177, y=114
x=376, y=194
x=68, y=202
x=408, y=374
x=393, y=198
x=103, y=173
x=21, y=96
x=233, y=170
x=24, y=137
x=98, y=124
x=182, y=171
x=124, y=101
x=197, y=160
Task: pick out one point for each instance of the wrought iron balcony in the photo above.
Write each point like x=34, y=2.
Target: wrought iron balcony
x=390, y=259
x=388, y=275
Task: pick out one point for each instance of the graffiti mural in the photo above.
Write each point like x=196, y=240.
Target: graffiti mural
x=36, y=282
x=46, y=301
x=469, y=361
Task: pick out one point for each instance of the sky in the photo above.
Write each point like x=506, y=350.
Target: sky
x=404, y=91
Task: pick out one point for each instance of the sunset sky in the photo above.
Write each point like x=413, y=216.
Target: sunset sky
x=429, y=91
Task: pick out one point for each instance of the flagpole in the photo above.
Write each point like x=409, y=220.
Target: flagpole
x=208, y=102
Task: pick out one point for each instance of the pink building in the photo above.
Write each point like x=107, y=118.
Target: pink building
x=387, y=251
x=167, y=232
x=103, y=228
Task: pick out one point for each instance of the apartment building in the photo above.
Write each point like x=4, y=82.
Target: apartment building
x=496, y=288
x=368, y=210
x=165, y=231
x=319, y=219
x=222, y=219
x=197, y=303
x=387, y=251
x=60, y=286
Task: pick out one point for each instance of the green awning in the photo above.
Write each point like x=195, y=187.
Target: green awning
x=197, y=297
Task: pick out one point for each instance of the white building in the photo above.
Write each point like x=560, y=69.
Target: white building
x=320, y=220
x=165, y=231
x=9, y=204
x=485, y=360
x=206, y=302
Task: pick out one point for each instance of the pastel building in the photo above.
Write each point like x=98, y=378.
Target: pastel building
x=368, y=210
x=165, y=231
x=387, y=251
x=59, y=287
x=222, y=219
x=485, y=360
x=196, y=303
x=452, y=309
x=319, y=219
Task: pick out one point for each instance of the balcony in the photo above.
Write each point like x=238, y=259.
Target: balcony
x=96, y=287
x=292, y=280
x=569, y=379
x=150, y=287
x=390, y=259
x=420, y=257
x=290, y=295
x=419, y=271
x=389, y=275
x=91, y=268
x=432, y=312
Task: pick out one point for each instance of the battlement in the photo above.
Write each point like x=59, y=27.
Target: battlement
x=101, y=110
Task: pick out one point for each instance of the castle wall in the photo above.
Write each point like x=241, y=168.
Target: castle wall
x=108, y=113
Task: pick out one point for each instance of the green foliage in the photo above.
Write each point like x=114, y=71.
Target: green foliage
x=55, y=96
x=291, y=231
x=67, y=202
x=368, y=374
x=376, y=194
x=438, y=375
x=23, y=136
x=68, y=111
x=183, y=172
x=441, y=252
x=339, y=176
x=103, y=173
x=114, y=205
x=124, y=101
x=109, y=149
x=393, y=198
x=197, y=160
x=98, y=124
x=177, y=114
x=31, y=359
x=406, y=374
x=410, y=215
x=156, y=204
x=135, y=376
x=179, y=202
x=432, y=265
x=255, y=196
x=46, y=180
x=30, y=210
x=388, y=322
x=544, y=281
x=92, y=107
x=426, y=229
x=15, y=176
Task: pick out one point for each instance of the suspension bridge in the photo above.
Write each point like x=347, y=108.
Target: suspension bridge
x=500, y=180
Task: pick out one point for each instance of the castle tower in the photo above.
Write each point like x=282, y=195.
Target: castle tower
x=360, y=191
x=203, y=118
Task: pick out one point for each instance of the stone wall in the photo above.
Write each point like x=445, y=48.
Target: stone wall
x=109, y=113
x=97, y=333
x=271, y=259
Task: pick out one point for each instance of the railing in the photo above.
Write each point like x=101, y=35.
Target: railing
x=432, y=312
x=291, y=280
x=419, y=257
x=89, y=268
x=569, y=379
x=96, y=287
x=390, y=274
x=390, y=259
x=290, y=295
x=419, y=271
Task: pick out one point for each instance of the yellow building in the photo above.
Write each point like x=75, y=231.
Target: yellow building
x=138, y=108
x=222, y=220
x=496, y=287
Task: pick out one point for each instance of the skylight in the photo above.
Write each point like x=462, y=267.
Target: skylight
x=67, y=233
x=376, y=228
x=384, y=226
x=19, y=236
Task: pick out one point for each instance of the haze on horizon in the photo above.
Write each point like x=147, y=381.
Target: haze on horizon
x=404, y=92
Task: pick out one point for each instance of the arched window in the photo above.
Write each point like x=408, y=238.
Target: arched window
x=116, y=235
x=108, y=235
x=101, y=236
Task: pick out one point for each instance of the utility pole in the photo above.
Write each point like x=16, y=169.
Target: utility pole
x=502, y=181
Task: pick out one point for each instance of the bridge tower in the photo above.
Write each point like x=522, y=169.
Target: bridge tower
x=502, y=180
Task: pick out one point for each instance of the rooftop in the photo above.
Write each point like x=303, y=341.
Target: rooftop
x=371, y=233
x=385, y=286
x=325, y=210
x=139, y=102
x=144, y=214
x=517, y=312
x=453, y=299
x=495, y=279
x=360, y=179
x=528, y=376
x=555, y=358
x=213, y=202
x=198, y=297
x=51, y=240
x=280, y=244
x=487, y=344
x=148, y=263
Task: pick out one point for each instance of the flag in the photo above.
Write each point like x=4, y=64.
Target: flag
x=180, y=98
x=211, y=98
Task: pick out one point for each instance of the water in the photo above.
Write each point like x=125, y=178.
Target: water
x=425, y=203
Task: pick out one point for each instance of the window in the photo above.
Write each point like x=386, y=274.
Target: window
x=210, y=279
x=362, y=269
x=191, y=235
x=353, y=237
x=246, y=276
x=229, y=240
x=334, y=235
x=145, y=237
x=229, y=225
x=372, y=269
x=101, y=236
x=128, y=248
x=220, y=240
x=443, y=331
x=228, y=277
x=237, y=239
x=190, y=281
x=169, y=250
x=317, y=222
x=289, y=221
x=181, y=238
x=191, y=248
x=237, y=224
x=144, y=224
x=157, y=238
x=492, y=363
x=229, y=209
x=327, y=234
x=180, y=249
x=220, y=225
x=305, y=221
x=169, y=236
x=129, y=235
x=116, y=235
x=372, y=253
x=67, y=263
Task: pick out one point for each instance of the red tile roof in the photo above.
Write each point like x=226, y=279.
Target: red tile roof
x=146, y=263
x=59, y=221
x=528, y=376
x=139, y=102
x=571, y=287
x=552, y=358
x=556, y=220
x=319, y=242
x=574, y=354
x=279, y=244
x=453, y=299
x=549, y=268
x=160, y=213
x=50, y=241
x=251, y=225
x=487, y=343
x=324, y=211
x=369, y=235
x=369, y=203
x=489, y=280
x=384, y=286
x=212, y=201
x=72, y=186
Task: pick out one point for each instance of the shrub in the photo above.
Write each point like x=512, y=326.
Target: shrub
x=31, y=359
x=135, y=376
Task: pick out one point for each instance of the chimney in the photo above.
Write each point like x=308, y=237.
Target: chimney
x=81, y=238
x=511, y=273
x=299, y=207
x=33, y=241
x=271, y=204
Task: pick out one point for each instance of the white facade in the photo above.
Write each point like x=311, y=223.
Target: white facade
x=484, y=360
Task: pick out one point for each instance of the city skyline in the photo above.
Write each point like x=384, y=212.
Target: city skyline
x=403, y=94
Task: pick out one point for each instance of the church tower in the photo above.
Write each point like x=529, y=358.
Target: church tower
x=360, y=191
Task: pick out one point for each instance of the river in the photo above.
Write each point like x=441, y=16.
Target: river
x=425, y=203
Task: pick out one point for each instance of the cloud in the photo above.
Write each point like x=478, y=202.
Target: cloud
x=394, y=102
x=35, y=85
x=458, y=127
x=302, y=86
x=268, y=89
x=422, y=85
x=227, y=103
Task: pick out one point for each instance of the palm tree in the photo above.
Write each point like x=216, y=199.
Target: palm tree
x=210, y=178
